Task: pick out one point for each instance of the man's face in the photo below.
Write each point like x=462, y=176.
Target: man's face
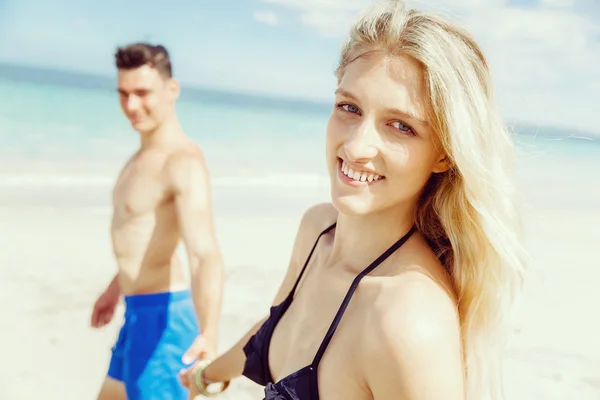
x=146, y=97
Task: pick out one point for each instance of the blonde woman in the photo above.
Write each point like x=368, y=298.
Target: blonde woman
x=400, y=288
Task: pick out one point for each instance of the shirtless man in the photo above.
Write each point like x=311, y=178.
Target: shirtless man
x=162, y=196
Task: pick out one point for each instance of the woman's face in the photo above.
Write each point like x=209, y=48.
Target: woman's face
x=380, y=149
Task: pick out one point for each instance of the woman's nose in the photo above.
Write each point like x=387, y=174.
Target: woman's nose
x=362, y=143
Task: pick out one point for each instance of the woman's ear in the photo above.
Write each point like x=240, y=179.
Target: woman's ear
x=442, y=164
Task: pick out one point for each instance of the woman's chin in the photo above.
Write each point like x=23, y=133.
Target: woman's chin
x=354, y=205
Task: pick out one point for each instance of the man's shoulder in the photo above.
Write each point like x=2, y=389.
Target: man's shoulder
x=185, y=165
x=185, y=155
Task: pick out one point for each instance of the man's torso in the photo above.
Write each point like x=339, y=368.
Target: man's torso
x=144, y=227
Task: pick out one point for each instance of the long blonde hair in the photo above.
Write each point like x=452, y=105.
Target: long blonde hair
x=467, y=213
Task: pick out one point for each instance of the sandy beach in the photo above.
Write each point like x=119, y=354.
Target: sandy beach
x=54, y=262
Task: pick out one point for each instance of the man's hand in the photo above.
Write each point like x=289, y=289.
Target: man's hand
x=104, y=308
x=203, y=348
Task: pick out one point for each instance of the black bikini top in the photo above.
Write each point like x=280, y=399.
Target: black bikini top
x=302, y=384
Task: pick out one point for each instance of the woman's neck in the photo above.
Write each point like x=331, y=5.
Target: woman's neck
x=359, y=240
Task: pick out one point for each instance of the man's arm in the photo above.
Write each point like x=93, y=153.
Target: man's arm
x=192, y=195
x=113, y=286
x=414, y=344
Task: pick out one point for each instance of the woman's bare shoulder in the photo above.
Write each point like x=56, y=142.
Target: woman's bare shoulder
x=316, y=219
x=413, y=335
x=418, y=293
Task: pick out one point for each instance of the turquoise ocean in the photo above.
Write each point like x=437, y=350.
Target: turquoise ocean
x=62, y=132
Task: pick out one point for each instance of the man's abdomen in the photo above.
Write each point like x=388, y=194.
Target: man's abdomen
x=152, y=278
x=145, y=250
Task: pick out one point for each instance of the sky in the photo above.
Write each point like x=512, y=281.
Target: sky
x=544, y=54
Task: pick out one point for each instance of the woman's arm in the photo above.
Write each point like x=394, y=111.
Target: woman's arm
x=230, y=364
x=224, y=368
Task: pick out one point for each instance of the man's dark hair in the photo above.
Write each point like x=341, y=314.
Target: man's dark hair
x=138, y=54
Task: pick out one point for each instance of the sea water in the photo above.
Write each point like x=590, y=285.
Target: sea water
x=262, y=154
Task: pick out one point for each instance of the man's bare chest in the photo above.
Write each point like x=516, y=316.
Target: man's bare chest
x=140, y=189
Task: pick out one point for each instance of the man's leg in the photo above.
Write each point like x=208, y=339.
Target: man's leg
x=112, y=389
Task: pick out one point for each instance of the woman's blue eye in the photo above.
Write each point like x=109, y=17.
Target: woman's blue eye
x=350, y=108
x=401, y=126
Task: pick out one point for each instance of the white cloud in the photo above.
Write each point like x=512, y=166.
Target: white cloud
x=321, y=5
x=545, y=59
x=266, y=17
x=558, y=3
x=333, y=17
x=328, y=17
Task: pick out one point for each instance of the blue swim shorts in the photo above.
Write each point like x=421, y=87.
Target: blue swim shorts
x=157, y=330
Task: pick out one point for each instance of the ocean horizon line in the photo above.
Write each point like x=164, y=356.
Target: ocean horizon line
x=85, y=80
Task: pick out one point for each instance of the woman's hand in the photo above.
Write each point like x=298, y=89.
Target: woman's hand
x=187, y=376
